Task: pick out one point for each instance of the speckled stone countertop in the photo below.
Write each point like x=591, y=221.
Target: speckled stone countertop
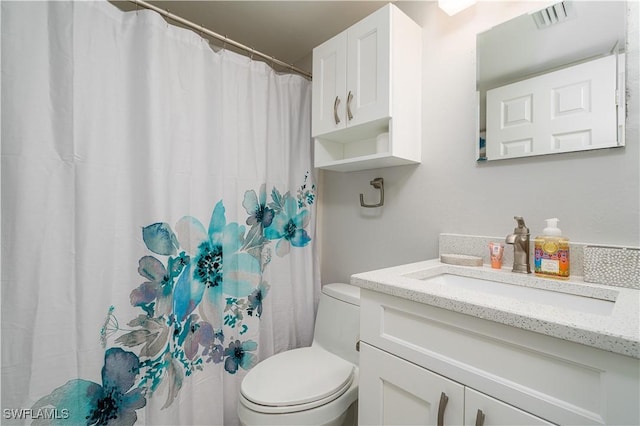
x=617, y=332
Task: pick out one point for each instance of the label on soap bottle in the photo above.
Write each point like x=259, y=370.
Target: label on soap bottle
x=550, y=266
x=551, y=259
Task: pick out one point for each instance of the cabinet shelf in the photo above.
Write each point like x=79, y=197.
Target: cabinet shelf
x=368, y=146
x=365, y=162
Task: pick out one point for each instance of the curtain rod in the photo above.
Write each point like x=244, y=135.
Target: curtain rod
x=217, y=36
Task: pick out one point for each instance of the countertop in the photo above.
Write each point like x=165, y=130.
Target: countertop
x=617, y=332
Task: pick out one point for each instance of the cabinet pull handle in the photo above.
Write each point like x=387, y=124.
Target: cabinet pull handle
x=349, y=99
x=479, y=418
x=443, y=404
x=335, y=110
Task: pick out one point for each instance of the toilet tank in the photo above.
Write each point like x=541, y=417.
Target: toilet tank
x=337, y=326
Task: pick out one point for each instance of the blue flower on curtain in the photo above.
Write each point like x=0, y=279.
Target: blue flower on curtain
x=220, y=245
x=238, y=355
x=201, y=284
x=259, y=212
x=86, y=402
x=288, y=227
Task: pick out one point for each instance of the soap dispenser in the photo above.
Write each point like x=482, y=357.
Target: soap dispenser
x=551, y=258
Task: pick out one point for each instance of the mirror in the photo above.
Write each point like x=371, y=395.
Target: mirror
x=533, y=69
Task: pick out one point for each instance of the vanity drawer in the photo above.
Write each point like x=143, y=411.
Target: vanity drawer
x=561, y=381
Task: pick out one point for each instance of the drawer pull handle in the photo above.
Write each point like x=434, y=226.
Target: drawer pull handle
x=443, y=404
x=335, y=110
x=479, y=418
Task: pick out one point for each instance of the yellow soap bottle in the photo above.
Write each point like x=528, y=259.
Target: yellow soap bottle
x=551, y=257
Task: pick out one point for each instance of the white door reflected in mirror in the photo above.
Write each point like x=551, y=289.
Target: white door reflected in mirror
x=573, y=109
x=554, y=88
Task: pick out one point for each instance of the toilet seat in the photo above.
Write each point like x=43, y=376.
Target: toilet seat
x=296, y=380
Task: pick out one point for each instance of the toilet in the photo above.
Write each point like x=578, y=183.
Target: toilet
x=316, y=385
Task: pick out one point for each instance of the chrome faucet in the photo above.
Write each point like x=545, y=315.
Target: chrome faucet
x=520, y=240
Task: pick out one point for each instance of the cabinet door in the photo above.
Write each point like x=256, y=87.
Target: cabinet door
x=494, y=412
x=393, y=391
x=329, y=85
x=368, y=65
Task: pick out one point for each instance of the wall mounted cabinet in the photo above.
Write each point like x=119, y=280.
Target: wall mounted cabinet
x=367, y=94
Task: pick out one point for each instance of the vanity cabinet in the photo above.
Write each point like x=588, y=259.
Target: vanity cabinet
x=366, y=106
x=394, y=391
x=405, y=393
x=411, y=353
x=481, y=409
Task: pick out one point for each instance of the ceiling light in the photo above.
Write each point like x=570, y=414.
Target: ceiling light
x=451, y=7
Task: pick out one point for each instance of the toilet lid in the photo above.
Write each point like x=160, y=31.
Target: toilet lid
x=298, y=376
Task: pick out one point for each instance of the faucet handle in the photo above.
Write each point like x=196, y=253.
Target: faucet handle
x=522, y=228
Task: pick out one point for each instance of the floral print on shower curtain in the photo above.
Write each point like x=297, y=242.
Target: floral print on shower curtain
x=210, y=277
x=158, y=218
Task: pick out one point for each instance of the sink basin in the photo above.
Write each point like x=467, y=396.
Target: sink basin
x=528, y=294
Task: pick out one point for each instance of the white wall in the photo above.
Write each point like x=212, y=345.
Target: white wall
x=595, y=194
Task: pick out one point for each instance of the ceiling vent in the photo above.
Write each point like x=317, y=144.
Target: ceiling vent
x=553, y=14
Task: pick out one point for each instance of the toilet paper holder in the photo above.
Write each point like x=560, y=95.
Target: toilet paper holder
x=377, y=183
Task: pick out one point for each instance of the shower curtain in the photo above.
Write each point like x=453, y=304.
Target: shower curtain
x=158, y=218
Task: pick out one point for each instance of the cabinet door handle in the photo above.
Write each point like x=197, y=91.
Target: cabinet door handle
x=443, y=404
x=335, y=110
x=479, y=418
x=349, y=99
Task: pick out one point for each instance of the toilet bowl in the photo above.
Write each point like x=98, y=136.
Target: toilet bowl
x=316, y=385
